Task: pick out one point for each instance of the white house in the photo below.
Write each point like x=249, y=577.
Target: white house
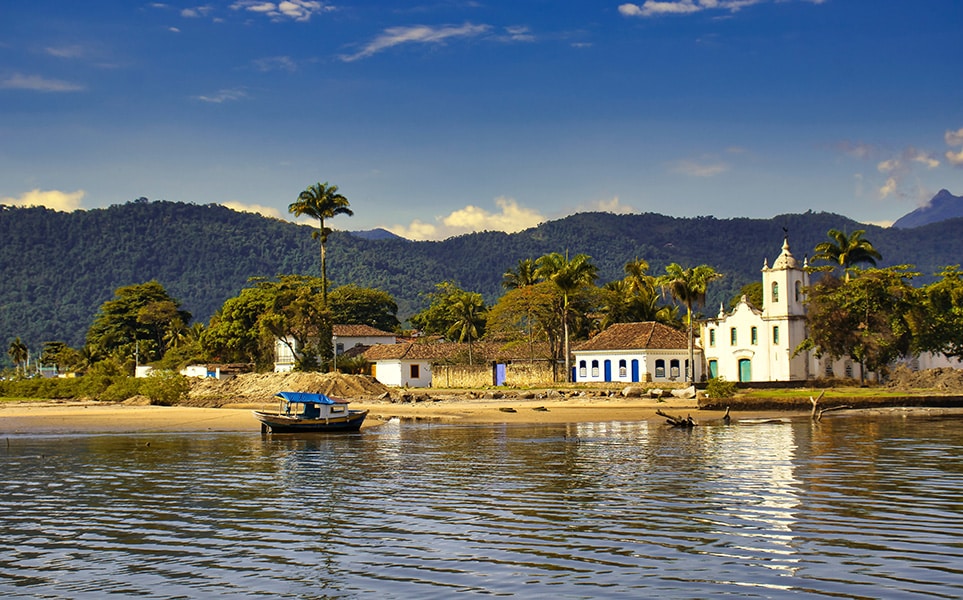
x=345, y=337
x=402, y=365
x=752, y=344
x=629, y=352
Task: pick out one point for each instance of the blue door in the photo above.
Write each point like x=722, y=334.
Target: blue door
x=635, y=369
x=608, y=370
x=713, y=369
x=745, y=369
x=499, y=374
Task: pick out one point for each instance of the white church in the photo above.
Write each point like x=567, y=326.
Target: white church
x=753, y=344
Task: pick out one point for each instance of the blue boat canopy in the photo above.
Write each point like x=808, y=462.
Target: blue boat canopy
x=307, y=398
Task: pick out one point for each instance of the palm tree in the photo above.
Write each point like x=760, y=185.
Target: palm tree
x=19, y=353
x=466, y=312
x=524, y=274
x=321, y=201
x=847, y=250
x=688, y=286
x=568, y=276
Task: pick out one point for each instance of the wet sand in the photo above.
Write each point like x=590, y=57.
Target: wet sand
x=81, y=418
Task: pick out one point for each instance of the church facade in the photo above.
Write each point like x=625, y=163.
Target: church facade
x=758, y=344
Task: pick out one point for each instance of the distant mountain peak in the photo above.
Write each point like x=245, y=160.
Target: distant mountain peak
x=376, y=234
x=941, y=207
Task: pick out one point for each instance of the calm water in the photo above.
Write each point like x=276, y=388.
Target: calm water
x=848, y=508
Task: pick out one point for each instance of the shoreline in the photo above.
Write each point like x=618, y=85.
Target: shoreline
x=68, y=418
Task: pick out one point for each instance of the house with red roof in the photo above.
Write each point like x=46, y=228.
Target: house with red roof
x=345, y=338
x=630, y=352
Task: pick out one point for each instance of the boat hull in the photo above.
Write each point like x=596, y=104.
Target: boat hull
x=275, y=423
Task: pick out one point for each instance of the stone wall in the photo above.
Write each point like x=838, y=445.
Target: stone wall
x=521, y=374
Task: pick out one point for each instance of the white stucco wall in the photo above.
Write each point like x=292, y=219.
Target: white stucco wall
x=648, y=361
x=397, y=373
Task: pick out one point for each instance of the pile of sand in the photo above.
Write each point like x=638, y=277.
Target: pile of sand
x=946, y=380
x=259, y=388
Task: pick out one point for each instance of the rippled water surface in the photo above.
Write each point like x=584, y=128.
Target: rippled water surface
x=847, y=508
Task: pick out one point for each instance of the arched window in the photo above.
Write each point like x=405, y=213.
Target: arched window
x=582, y=370
x=674, y=369
x=754, y=336
x=798, y=291
x=623, y=370
x=775, y=291
x=595, y=368
x=660, y=369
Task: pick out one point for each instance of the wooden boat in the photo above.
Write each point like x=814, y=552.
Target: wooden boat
x=302, y=412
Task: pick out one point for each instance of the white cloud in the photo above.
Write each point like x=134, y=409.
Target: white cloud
x=613, y=205
x=510, y=218
x=657, y=8
x=420, y=34
x=889, y=188
x=36, y=83
x=954, y=138
x=901, y=168
x=858, y=150
x=297, y=10
x=53, y=199
x=266, y=211
x=196, y=11
x=222, y=96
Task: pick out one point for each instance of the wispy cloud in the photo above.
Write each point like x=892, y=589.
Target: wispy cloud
x=297, y=10
x=417, y=34
x=857, y=150
x=275, y=63
x=510, y=217
x=36, y=83
x=701, y=168
x=657, y=8
x=196, y=12
x=53, y=199
x=899, y=169
x=953, y=139
x=612, y=205
x=226, y=95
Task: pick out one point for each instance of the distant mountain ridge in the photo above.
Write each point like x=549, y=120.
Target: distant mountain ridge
x=943, y=206
x=58, y=268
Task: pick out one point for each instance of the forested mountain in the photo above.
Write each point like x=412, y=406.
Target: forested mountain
x=58, y=268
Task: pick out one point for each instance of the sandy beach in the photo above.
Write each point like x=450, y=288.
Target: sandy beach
x=18, y=418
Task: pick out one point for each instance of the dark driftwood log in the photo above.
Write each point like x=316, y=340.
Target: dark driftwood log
x=685, y=423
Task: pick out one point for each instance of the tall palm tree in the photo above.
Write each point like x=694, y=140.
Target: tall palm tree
x=19, y=353
x=522, y=275
x=568, y=276
x=847, y=250
x=466, y=312
x=688, y=286
x=321, y=201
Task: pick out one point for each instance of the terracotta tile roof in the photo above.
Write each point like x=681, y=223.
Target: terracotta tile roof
x=637, y=336
x=359, y=331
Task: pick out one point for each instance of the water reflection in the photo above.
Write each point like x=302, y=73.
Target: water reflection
x=846, y=507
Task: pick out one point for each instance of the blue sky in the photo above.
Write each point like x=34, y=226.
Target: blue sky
x=441, y=117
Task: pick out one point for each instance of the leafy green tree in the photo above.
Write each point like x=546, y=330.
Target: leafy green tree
x=355, y=305
x=752, y=292
x=868, y=318
x=137, y=320
x=846, y=251
x=569, y=276
x=467, y=315
x=234, y=334
x=688, y=286
x=939, y=327
x=19, y=353
x=60, y=355
x=634, y=298
x=436, y=318
x=530, y=313
x=321, y=201
x=298, y=317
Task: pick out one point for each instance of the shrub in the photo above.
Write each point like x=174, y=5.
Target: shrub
x=717, y=387
x=165, y=388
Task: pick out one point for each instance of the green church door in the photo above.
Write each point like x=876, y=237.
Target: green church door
x=745, y=369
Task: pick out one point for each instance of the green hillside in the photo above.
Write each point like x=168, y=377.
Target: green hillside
x=58, y=268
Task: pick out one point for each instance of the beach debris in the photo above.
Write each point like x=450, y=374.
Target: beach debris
x=683, y=423
x=540, y=409
x=507, y=409
x=687, y=392
x=817, y=413
x=633, y=391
